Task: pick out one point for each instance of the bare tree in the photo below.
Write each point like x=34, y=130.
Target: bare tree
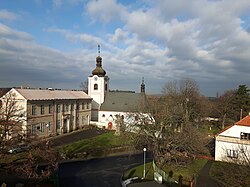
x=40, y=161
x=12, y=116
x=84, y=86
x=224, y=106
x=172, y=132
x=37, y=150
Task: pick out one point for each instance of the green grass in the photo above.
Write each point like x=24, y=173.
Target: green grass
x=138, y=172
x=230, y=174
x=189, y=171
x=103, y=141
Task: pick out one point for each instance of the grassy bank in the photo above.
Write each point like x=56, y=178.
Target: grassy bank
x=95, y=146
x=138, y=172
x=187, y=172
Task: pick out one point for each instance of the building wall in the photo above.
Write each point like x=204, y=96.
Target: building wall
x=235, y=131
x=111, y=119
x=230, y=149
x=108, y=119
x=97, y=93
x=19, y=111
x=57, y=116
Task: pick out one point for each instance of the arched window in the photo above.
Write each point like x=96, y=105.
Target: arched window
x=95, y=86
x=103, y=115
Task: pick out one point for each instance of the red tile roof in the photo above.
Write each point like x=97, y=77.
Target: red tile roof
x=244, y=122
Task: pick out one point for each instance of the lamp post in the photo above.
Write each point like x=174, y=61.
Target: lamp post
x=144, y=162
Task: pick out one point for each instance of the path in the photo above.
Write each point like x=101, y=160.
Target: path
x=204, y=180
x=75, y=136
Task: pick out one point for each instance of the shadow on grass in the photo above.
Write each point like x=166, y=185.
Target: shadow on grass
x=131, y=173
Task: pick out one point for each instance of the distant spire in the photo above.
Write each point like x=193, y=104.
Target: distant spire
x=99, y=50
x=142, y=86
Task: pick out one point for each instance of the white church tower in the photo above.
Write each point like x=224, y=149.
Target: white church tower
x=98, y=86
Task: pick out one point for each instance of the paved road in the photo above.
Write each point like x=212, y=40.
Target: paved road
x=204, y=180
x=101, y=172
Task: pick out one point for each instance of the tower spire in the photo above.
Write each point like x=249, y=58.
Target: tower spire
x=99, y=70
x=99, y=50
x=142, y=86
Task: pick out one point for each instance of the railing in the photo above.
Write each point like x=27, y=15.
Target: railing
x=173, y=183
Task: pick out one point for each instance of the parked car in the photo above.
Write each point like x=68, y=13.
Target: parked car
x=18, y=148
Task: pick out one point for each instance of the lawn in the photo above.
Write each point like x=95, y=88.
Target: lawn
x=102, y=142
x=138, y=172
x=229, y=174
x=99, y=143
x=186, y=172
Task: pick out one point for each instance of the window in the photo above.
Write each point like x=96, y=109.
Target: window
x=42, y=109
x=88, y=105
x=50, y=125
x=244, y=136
x=42, y=127
x=58, y=108
x=106, y=87
x=83, y=120
x=232, y=153
x=95, y=86
x=87, y=119
x=77, y=106
x=33, y=110
x=83, y=106
x=33, y=129
x=66, y=108
x=103, y=115
x=72, y=106
x=58, y=124
x=71, y=120
x=77, y=120
x=50, y=109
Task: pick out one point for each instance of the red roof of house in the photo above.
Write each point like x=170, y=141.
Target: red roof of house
x=244, y=122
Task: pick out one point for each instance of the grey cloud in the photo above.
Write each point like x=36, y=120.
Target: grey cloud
x=105, y=10
x=6, y=31
x=7, y=15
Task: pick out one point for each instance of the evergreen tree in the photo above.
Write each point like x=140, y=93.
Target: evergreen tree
x=241, y=102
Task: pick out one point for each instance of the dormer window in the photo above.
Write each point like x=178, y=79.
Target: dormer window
x=95, y=86
x=244, y=136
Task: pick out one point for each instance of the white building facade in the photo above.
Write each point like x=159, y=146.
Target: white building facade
x=109, y=107
x=233, y=143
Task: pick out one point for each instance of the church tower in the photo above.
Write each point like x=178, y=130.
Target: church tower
x=98, y=86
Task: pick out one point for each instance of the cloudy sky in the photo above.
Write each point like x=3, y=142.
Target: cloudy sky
x=53, y=43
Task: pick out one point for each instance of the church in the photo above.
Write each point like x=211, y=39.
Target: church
x=50, y=112
x=109, y=107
